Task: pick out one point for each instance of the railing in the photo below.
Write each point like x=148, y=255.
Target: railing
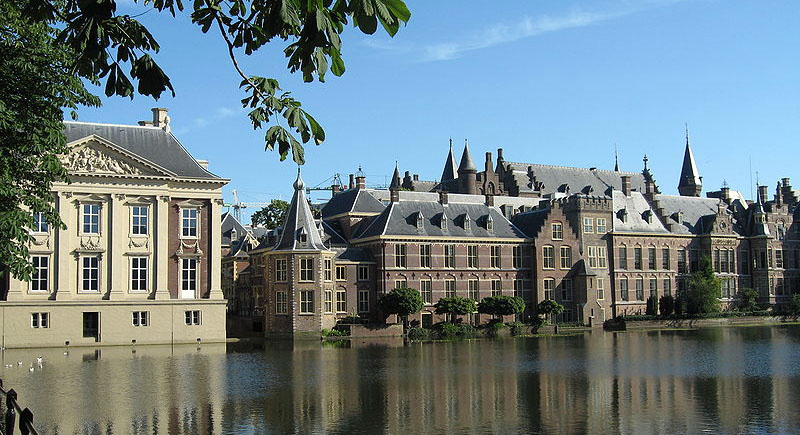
x=25, y=415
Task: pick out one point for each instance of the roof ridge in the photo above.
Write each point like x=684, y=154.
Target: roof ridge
x=113, y=125
x=574, y=167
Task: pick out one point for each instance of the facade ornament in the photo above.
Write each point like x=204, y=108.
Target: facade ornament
x=132, y=243
x=92, y=160
x=90, y=244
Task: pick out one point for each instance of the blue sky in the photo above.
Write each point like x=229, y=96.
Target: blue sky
x=550, y=81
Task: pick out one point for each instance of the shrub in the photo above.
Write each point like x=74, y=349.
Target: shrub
x=666, y=305
x=747, y=300
x=447, y=330
x=794, y=305
x=652, y=306
x=679, y=304
x=517, y=328
x=401, y=301
x=549, y=307
x=455, y=306
x=418, y=334
x=333, y=333
x=501, y=305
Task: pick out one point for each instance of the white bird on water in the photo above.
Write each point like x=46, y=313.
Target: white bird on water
x=31, y=368
x=39, y=359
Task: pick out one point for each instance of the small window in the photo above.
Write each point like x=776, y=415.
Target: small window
x=40, y=223
x=341, y=273
x=306, y=301
x=281, y=270
x=139, y=220
x=601, y=225
x=420, y=221
x=497, y=287
x=306, y=269
x=189, y=222
x=558, y=231
x=601, y=294
x=588, y=225
x=40, y=320
x=467, y=223
x=363, y=272
x=363, y=301
x=489, y=224
x=192, y=317
x=91, y=218
x=141, y=318
x=281, y=303
x=400, y=283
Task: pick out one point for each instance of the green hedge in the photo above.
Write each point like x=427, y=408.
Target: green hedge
x=720, y=315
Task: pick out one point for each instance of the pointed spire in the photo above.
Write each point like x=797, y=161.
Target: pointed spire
x=690, y=182
x=449, y=172
x=396, y=180
x=466, y=160
x=299, y=227
x=616, y=159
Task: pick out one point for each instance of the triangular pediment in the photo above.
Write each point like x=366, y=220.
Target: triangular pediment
x=94, y=155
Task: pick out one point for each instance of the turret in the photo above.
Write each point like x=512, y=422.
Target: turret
x=467, y=182
x=449, y=172
x=690, y=182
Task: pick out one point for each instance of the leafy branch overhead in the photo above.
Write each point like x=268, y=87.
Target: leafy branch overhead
x=117, y=49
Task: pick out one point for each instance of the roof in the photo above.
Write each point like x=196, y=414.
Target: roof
x=150, y=143
x=689, y=174
x=531, y=222
x=229, y=223
x=635, y=208
x=350, y=253
x=551, y=179
x=449, y=172
x=695, y=212
x=357, y=201
x=300, y=231
x=466, y=160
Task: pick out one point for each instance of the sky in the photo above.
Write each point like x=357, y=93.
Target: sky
x=559, y=82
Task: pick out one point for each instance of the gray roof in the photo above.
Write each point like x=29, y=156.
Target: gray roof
x=449, y=172
x=581, y=268
x=466, y=160
x=350, y=253
x=229, y=223
x=574, y=180
x=396, y=180
x=400, y=219
x=689, y=174
x=149, y=143
x=300, y=231
x=635, y=208
x=696, y=212
x=531, y=222
x=357, y=201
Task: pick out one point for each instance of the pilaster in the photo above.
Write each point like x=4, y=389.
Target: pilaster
x=65, y=273
x=215, y=254
x=117, y=235
x=161, y=242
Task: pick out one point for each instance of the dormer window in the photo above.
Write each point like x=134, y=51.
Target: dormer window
x=467, y=223
x=677, y=216
x=648, y=216
x=623, y=215
x=233, y=234
x=302, y=237
x=489, y=223
x=443, y=222
x=420, y=220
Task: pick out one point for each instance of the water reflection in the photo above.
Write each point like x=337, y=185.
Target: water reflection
x=723, y=380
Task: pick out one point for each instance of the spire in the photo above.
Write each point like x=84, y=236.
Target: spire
x=690, y=182
x=616, y=159
x=466, y=160
x=449, y=172
x=300, y=230
x=396, y=180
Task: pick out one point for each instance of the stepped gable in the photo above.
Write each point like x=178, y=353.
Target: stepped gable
x=531, y=222
x=556, y=179
x=152, y=144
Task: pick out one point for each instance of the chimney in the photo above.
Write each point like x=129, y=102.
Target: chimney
x=490, y=200
x=785, y=182
x=416, y=177
x=203, y=163
x=394, y=195
x=334, y=190
x=489, y=163
x=160, y=118
x=500, y=155
x=361, y=182
x=442, y=197
x=626, y=185
x=726, y=194
x=762, y=194
x=352, y=184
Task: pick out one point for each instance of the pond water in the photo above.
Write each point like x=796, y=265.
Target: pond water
x=728, y=380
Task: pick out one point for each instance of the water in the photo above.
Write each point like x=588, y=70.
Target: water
x=719, y=380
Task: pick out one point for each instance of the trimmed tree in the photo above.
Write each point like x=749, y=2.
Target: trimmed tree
x=652, y=306
x=794, y=305
x=747, y=300
x=401, y=301
x=666, y=305
x=549, y=308
x=704, y=290
x=501, y=305
x=455, y=306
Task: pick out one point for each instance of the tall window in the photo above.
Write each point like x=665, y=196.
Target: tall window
x=189, y=222
x=566, y=257
x=425, y=256
x=426, y=290
x=592, y=256
x=363, y=272
x=779, y=258
x=328, y=301
x=682, y=261
x=601, y=289
x=400, y=255
x=601, y=257
x=654, y=287
x=495, y=256
x=548, y=260
x=637, y=258
x=778, y=286
x=623, y=289
x=694, y=259
x=667, y=286
x=449, y=256
x=497, y=287
x=341, y=300
x=91, y=273
x=472, y=288
x=449, y=288
x=341, y=273
x=363, y=301
x=665, y=258
x=516, y=257
x=306, y=301
x=138, y=273
x=622, y=256
x=328, y=269
x=558, y=231
x=281, y=303
x=588, y=225
x=306, y=269
x=566, y=289
x=651, y=258
x=189, y=274
x=91, y=218
x=281, y=270
x=639, y=289
x=40, y=223
x=139, y=219
x=601, y=225
x=400, y=283
x=472, y=255
x=519, y=287
x=41, y=273
x=549, y=285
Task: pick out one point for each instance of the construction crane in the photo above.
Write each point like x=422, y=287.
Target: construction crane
x=337, y=181
x=237, y=205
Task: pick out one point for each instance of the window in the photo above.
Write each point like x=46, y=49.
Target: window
x=138, y=273
x=40, y=223
x=716, y=261
x=667, y=286
x=601, y=290
x=566, y=257
x=91, y=218
x=306, y=301
x=449, y=288
x=694, y=258
x=593, y=257
x=41, y=273
x=472, y=256
x=665, y=258
x=558, y=231
x=654, y=288
x=495, y=256
x=425, y=256
x=623, y=257
x=189, y=276
x=601, y=257
x=548, y=260
x=566, y=289
x=497, y=287
x=341, y=273
x=306, y=269
x=400, y=255
x=426, y=290
x=281, y=303
x=363, y=301
x=516, y=257
x=637, y=258
x=473, y=289
x=449, y=256
x=328, y=270
x=651, y=258
x=549, y=285
x=682, y=261
x=40, y=320
x=192, y=317
x=189, y=222
x=328, y=301
x=341, y=300
x=779, y=258
x=139, y=220
x=601, y=225
x=140, y=318
x=588, y=225
x=91, y=273
x=363, y=272
x=519, y=287
x=623, y=289
x=639, y=289
x=778, y=286
x=281, y=270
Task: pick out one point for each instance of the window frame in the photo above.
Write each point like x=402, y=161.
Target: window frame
x=495, y=256
x=193, y=317
x=565, y=257
x=40, y=224
x=341, y=268
x=83, y=270
x=135, y=275
x=548, y=261
x=281, y=269
x=97, y=222
x=137, y=218
x=341, y=300
x=363, y=272
x=566, y=290
x=449, y=251
x=426, y=293
x=140, y=318
x=548, y=288
x=36, y=276
x=588, y=225
x=40, y=320
x=281, y=302
x=363, y=301
x=188, y=219
x=557, y=231
x=425, y=256
x=306, y=268
x=307, y=302
x=472, y=256
x=400, y=255
x=191, y=277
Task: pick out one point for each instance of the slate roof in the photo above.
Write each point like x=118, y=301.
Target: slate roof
x=356, y=255
x=557, y=178
x=239, y=249
x=635, y=207
x=689, y=174
x=400, y=219
x=357, y=201
x=300, y=222
x=449, y=172
x=582, y=269
x=466, y=160
x=150, y=143
x=531, y=222
x=697, y=212
x=229, y=223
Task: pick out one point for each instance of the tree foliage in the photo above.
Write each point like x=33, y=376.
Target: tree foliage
x=666, y=305
x=272, y=215
x=652, y=306
x=704, y=290
x=455, y=306
x=549, y=307
x=401, y=301
x=36, y=83
x=794, y=305
x=501, y=305
x=747, y=300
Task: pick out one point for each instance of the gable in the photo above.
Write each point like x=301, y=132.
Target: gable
x=97, y=156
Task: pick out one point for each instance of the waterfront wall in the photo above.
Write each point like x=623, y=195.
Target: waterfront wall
x=701, y=323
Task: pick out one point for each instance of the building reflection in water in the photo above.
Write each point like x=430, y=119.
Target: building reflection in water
x=725, y=380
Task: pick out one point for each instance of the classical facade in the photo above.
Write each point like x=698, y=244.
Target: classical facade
x=138, y=260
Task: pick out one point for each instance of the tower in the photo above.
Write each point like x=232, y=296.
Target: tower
x=467, y=182
x=690, y=182
x=449, y=172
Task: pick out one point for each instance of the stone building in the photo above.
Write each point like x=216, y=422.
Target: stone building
x=138, y=260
